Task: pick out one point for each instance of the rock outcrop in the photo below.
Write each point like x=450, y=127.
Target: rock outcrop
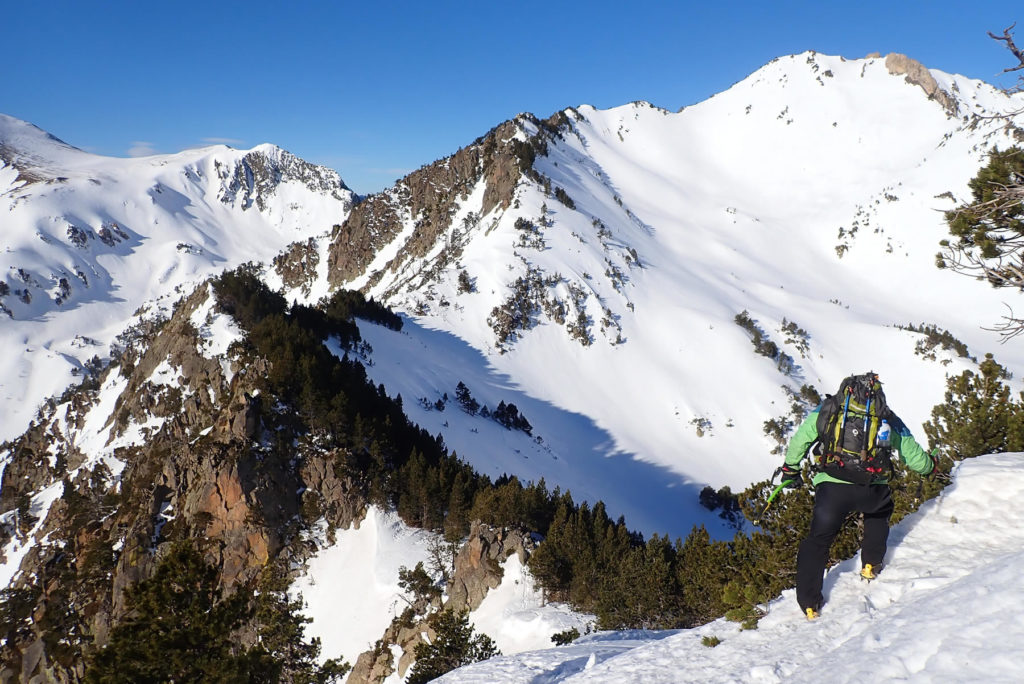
x=200, y=462
x=257, y=176
x=477, y=569
x=918, y=74
x=427, y=200
x=297, y=265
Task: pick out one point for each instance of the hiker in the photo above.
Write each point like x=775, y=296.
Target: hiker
x=853, y=434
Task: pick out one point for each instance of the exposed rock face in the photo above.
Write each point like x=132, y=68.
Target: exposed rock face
x=26, y=175
x=918, y=74
x=32, y=166
x=477, y=570
x=297, y=265
x=260, y=172
x=335, y=497
x=478, y=563
x=205, y=470
x=427, y=199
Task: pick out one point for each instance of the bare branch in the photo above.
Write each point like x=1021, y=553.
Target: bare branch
x=1007, y=37
x=1006, y=117
x=1009, y=328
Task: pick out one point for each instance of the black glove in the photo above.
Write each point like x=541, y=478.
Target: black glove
x=935, y=473
x=791, y=474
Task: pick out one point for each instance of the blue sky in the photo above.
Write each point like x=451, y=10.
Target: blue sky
x=378, y=89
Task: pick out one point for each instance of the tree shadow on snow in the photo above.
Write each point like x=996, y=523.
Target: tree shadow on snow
x=567, y=449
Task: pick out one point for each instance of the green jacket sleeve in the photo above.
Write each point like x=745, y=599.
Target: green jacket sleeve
x=911, y=453
x=803, y=438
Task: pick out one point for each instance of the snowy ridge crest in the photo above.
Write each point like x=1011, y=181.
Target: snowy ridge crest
x=938, y=612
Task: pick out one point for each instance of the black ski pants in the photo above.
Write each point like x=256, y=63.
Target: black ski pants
x=832, y=503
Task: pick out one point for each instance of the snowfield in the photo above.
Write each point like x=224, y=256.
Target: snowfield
x=351, y=587
x=946, y=608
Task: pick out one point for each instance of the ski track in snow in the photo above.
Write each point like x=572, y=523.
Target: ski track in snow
x=946, y=608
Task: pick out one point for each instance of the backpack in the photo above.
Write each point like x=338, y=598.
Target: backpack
x=848, y=426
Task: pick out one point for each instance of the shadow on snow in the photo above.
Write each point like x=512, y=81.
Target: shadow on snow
x=567, y=449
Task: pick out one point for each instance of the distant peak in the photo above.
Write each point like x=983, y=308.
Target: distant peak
x=268, y=149
x=36, y=154
x=13, y=131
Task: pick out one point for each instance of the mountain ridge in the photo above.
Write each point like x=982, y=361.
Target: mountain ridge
x=91, y=240
x=435, y=247
x=808, y=196
x=630, y=304
x=907, y=625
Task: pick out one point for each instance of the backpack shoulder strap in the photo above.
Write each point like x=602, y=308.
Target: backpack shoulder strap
x=827, y=413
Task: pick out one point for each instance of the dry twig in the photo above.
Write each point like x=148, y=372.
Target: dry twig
x=1007, y=38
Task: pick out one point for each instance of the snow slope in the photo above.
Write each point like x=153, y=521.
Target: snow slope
x=351, y=586
x=945, y=609
x=88, y=240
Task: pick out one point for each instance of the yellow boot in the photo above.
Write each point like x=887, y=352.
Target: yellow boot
x=868, y=572
x=811, y=614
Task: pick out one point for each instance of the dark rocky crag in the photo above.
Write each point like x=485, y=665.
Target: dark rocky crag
x=429, y=198
x=209, y=472
x=257, y=176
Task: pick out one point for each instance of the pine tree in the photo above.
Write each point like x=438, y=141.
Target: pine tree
x=179, y=628
x=419, y=585
x=550, y=563
x=281, y=632
x=454, y=644
x=703, y=569
x=465, y=399
x=986, y=232
x=465, y=283
x=642, y=591
x=456, y=522
x=978, y=416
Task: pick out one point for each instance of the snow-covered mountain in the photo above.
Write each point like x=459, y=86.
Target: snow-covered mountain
x=590, y=269
x=88, y=240
x=943, y=610
x=643, y=301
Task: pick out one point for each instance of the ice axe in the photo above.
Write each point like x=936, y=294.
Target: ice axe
x=775, y=492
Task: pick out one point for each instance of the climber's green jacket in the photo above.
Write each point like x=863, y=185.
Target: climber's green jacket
x=901, y=441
